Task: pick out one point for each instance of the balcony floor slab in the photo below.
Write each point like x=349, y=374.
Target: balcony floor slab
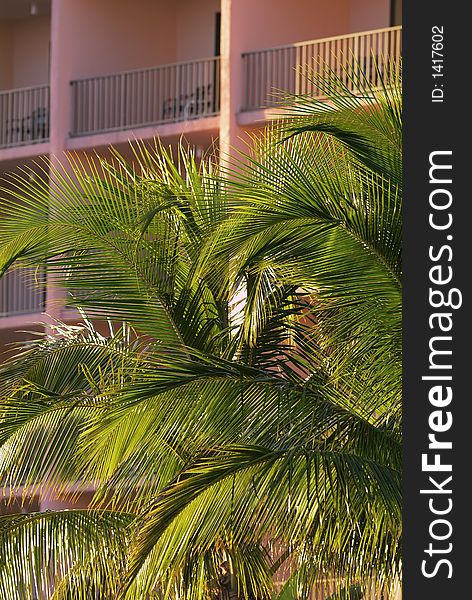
x=15, y=154
x=169, y=130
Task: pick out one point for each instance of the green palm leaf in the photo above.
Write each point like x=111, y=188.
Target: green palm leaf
x=247, y=416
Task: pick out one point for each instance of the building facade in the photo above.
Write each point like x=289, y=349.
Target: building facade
x=83, y=75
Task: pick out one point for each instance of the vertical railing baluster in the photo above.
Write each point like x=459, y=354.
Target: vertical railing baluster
x=74, y=106
x=291, y=65
x=19, y=293
x=99, y=100
x=91, y=112
x=3, y=124
x=131, y=108
x=16, y=100
x=166, y=94
x=93, y=104
x=120, y=116
x=22, y=123
x=88, y=92
x=130, y=99
x=253, y=82
x=214, y=82
x=148, y=98
x=138, y=92
x=48, y=111
x=247, y=79
x=14, y=104
x=337, y=58
x=76, y=87
x=11, y=296
x=188, y=94
x=113, y=117
x=345, y=66
x=188, y=90
x=23, y=116
x=170, y=101
x=374, y=55
x=217, y=85
x=144, y=91
x=201, y=89
x=84, y=94
x=173, y=93
x=198, y=77
x=264, y=81
x=368, y=55
x=156, y=108
x=106, y=102
x=209, y=84
x=282, y=70
x=162, y=84
x=10, y=113
x=3, y=296
x=87, y=120
x=257, y=80
x=352, y=57
x=253, y=79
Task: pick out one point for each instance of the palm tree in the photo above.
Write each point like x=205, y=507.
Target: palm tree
x=244, y=420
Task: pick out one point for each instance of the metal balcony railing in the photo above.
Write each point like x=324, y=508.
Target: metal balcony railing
x=267, y=73
x=153, y=96
x=21, y=292
x=24, y=116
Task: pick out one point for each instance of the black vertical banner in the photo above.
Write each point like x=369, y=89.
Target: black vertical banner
x=437, y=307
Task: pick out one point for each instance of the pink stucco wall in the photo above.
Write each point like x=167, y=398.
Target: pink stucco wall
x=5, y=55
x=24, y=52
x=107, y=36
x=119, y=37
x=31, y=39
x=195, y=30
x=278, y=22
x=366, y=14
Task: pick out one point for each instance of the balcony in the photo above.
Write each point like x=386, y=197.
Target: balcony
x=24, y=116
x=153, y=96
x=19, y=295
x=269, y=72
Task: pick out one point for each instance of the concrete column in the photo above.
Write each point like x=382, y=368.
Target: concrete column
x=233, y=17
x=63, y=18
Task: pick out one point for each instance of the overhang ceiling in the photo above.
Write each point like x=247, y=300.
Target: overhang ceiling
x=21, y=9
